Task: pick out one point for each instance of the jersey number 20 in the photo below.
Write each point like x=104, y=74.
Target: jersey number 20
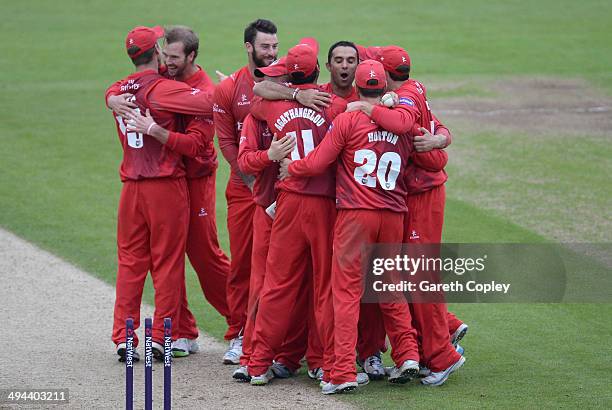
x=387, y=171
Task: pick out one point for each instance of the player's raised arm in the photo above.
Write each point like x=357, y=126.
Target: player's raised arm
x=175, y=96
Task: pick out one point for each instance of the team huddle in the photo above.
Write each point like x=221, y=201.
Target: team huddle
x=317, y=173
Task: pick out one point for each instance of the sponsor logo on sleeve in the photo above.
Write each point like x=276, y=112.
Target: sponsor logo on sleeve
x=218, y=109
x=406, y=101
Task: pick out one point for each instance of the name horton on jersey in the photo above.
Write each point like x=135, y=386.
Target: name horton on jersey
x=301, y=112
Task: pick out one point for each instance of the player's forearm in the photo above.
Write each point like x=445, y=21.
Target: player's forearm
x=316, y=162
x=112, y=91
x=189, y=144
x=253, y=162
x=443, y=133
x=434, y=160
x=395, y=120
x=273, y=91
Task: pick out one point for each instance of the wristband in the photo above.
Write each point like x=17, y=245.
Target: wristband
x=295, y=93
x=149, y=129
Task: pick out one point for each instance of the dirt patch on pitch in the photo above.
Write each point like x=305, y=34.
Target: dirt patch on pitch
x=57, y=322
x=540, y=105
x=551, y=110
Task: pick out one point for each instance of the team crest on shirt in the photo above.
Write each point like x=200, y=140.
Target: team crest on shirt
x=244, y=100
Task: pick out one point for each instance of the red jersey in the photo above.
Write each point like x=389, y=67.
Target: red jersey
x=206, y=162
x=371, y=163
x=232, y=103
x=143, y=155
x=354, y=96
x=409, y=115
x=253, y=159
x=308, y=127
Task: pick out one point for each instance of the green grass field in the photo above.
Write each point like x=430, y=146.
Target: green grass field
x=59, y=182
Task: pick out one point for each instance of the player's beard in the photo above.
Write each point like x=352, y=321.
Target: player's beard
x=259, y=61
x=177, y=71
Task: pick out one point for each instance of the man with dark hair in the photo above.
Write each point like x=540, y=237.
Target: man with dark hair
x=153, y=213
x=305, y=213
x=207, y=258
x=342, y=60
x=371, y=209
x=231, y=105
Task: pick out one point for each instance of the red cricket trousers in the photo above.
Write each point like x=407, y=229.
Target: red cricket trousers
x=301, y=229
x=240, y=210
x=424, y=225
x=153, y=219
x=354, y=229
x=206, y=256
x=294, y=346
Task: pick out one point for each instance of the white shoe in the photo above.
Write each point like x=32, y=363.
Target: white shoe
x=316, y=373
x=241, y=374
x=406, y=372
x=459, y=333
x=362, y=380
x=438, y=378
x=158, y=351
x=183, y=347
x=122, y=350
x=233, y=353
x=330, y=388
x=373, y=367
x=262, y=379
x=424, y=371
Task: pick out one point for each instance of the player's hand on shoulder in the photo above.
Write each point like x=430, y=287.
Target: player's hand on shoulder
x=284, y=169
x=313, y=98
x=121, y=104
x=280, y=148
x=354, y=106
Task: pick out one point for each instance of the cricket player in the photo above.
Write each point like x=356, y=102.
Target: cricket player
x=153, y=213
x=370, y=197
x=305, y=213
x=259, y=155
x=425, y=201
x=231, y=105
x=208, y=260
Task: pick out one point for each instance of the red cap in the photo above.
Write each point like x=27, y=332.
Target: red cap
x=144, y=38
x=370, y=74
x=395, y=60
x=276, y=69
x=303, y=57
